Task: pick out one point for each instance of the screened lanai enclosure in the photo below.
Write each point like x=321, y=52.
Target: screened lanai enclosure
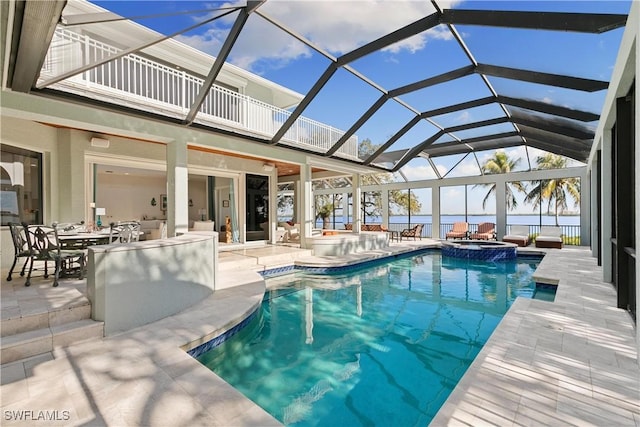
x=447, y=111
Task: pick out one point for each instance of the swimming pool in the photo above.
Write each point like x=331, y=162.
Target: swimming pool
x=382, y=346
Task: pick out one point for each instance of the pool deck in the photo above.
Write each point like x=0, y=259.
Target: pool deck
x=569, y=362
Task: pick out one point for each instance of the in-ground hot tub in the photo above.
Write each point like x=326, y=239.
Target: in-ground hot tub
x=480, y=249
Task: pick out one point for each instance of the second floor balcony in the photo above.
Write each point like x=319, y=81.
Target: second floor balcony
x=139, y=82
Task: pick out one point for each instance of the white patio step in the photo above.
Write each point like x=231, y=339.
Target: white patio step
x=39, y=341
x=80, y=310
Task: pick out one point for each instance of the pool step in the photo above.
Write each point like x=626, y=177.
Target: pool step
x=237, y=260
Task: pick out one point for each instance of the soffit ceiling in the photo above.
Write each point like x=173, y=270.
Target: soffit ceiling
x=500, y=109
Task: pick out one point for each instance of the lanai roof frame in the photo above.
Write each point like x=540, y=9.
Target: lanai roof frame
x=577, y=137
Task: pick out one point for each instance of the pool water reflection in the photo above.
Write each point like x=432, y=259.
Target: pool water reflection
x=381, y=346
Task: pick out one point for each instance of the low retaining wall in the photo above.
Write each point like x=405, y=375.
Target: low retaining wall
x=346, y=243
x=134, y=284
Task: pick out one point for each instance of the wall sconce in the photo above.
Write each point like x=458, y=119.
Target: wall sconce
x=190, y=203
x=267, y=167
x=99, y=142
x=153, y=201
x=100, y=211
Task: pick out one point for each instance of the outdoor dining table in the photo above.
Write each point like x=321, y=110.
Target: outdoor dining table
x=82, y=240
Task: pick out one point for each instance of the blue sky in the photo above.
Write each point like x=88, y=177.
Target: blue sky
x=339, y=26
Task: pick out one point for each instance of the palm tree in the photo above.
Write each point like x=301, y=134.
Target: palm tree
x=501, y=163
x=324, y=209
x=557, y=190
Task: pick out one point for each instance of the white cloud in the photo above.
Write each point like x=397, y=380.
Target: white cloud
x=419, y=41
x=336, y=27
x=452, y=193
x=468, y=167
x=464, y=117
x=417, y=173
x=442, y=169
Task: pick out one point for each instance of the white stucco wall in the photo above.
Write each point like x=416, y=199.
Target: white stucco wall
x=134, y=284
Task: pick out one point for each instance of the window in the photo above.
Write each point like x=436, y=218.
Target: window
x=21, y=186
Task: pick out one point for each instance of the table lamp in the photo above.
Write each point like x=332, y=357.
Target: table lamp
x=100, y=211
x=203, y=213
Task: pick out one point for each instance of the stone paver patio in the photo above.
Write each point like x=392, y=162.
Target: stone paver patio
x=568, y=362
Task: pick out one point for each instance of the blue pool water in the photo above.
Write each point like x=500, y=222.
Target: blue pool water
x=381, y=346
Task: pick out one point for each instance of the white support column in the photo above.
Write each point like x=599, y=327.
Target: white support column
x=501, y=207
x=305, y=210
x=385, y=207
x=435, y=212
x=177, y=188
x=585, y=206
x=594, y=177
x=241, y=201
x=345, y=208
x=357, y=203
x=607, y=201
x=273, y=205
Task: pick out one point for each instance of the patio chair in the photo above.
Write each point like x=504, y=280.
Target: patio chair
x=414, y=232
x=44, y=245
x=549, y=237
x=518, y=234
x=124, y=232
x=203, y=226
x=486, y=231
x=460, y=230
x=20, y=249
x=292, y=233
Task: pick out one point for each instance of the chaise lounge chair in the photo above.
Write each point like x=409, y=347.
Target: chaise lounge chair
x=292, y=232
x=460, y=230
x=518, y=234
x=549, y=237
x=486, y=231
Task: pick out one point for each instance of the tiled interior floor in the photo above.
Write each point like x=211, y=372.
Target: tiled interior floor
x=570, y=362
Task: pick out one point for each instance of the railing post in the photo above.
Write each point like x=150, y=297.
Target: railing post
x=87, y=55
x=183, y=92
x=245, y=112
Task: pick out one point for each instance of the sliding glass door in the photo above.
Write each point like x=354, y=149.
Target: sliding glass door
x=257, y=191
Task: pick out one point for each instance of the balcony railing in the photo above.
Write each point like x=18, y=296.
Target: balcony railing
x=570, y=233
x=137, y=81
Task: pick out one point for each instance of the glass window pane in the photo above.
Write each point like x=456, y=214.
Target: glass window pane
x=21, y=191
